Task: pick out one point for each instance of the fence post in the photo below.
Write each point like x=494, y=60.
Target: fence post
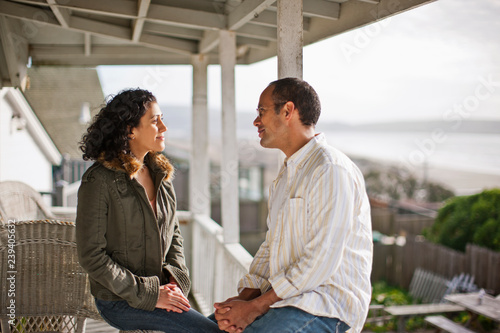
x=392, y=222
x=59, y=193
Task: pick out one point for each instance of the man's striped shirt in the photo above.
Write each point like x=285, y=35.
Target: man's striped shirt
x=317, y=255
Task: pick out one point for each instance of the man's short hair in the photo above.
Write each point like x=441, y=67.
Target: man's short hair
x=301, y=93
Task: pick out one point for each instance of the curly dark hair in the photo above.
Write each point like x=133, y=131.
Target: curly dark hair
x=301, y=93
x=108, y=134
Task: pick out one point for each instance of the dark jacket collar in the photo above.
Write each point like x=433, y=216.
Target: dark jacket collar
x=129, y=164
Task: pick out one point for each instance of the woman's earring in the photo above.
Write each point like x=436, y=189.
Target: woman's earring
x=132, y=137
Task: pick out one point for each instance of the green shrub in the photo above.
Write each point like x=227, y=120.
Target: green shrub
x=468, y=219
x=384, y=294
x=387, y=295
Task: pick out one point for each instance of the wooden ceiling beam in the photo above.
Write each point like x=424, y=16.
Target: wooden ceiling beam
x=133, y=54
x=173, y=31
x=88, y=44
x=209, y=41
x=319, y=8
x=256, y=43
x=96, y=28
x=15, y=50
x=169, y=44
x=100, y=28
x=61, y=14
x=258, y=32
x=185, y=17
x=142, y=12
x=168, y=15
x=17, y=10
x=113, y=8
x=245, y=12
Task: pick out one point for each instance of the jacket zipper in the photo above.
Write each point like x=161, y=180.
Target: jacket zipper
x=155, y=216
x=138, y=196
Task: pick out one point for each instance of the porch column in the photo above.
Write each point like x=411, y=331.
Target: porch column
x=199, y=169
x=229, y=165
x=290, y=38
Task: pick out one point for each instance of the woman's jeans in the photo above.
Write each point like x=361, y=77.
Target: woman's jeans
x=124, y=317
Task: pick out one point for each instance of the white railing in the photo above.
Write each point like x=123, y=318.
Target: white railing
x=69, y=198
x=216, y=267
x=70, y=194
x=64, y=213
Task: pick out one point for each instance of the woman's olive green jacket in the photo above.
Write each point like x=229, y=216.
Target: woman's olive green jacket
x=127, y=251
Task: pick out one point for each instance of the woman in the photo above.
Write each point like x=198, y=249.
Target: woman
x=128, y=236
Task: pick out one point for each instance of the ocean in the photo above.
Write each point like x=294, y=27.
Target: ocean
x=468, y=161
x=465, y=162
x=471, y=152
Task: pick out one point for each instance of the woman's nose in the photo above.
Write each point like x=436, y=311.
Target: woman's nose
x=163, y=127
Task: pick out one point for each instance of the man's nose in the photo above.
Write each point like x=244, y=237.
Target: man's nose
x=256, y=121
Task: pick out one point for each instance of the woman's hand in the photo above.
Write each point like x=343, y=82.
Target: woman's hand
x=172, y=299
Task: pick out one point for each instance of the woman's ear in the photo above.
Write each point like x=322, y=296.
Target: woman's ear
x=131, y=134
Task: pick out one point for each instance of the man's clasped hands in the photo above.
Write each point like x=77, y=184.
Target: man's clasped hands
x=236, y=313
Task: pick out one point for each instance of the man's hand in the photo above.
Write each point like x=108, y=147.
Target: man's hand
x=172, y=299
x=235, y=315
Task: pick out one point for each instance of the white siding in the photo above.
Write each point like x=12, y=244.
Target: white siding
x=21, y=159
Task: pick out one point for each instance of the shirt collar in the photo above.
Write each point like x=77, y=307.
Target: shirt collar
x=302, y=155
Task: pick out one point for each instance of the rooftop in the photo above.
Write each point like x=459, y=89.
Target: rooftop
x=94, y=32
x=59, y=96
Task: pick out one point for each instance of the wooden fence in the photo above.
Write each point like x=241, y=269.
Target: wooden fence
x=396, y=264
x=388, y=222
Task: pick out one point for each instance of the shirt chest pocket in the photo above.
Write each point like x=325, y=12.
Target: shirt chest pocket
x=293, y=227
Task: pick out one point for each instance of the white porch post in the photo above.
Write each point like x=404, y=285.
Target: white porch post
x=199, y=170
x=229, y=165
x=290, y=38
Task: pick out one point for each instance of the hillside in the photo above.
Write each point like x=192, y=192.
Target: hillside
x=178, y=119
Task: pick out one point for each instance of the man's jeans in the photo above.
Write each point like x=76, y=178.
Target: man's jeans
x=293, y=320
x=124, y=317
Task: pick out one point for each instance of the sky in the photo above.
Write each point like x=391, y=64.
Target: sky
x=440, y=61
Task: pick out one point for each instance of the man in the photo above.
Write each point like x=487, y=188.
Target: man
x=312, y=273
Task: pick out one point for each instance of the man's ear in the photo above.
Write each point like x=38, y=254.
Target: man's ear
x=288, y=109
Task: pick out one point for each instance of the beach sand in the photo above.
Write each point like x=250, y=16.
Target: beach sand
x=463, y=182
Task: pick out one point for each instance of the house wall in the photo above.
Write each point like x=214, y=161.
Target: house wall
x=20, y=157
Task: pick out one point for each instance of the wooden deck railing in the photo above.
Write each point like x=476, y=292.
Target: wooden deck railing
x=216, y=267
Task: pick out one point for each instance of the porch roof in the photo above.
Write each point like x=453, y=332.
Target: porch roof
x=95, y=32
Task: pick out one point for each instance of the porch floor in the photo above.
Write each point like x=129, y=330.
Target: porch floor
x=99, y=326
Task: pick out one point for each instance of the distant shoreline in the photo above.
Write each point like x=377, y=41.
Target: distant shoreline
x=460, y=180
x=179, y=119
x=464, y=182
x=451, y=126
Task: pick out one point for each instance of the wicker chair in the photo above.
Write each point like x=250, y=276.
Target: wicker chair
x=46, y=282
x=21, y=202
x=52, y=293
x=40, y=270
x=43, y=287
